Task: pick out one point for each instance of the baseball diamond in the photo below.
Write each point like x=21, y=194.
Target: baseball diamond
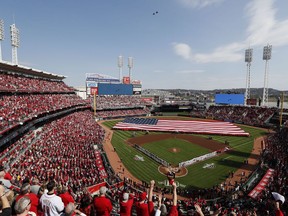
x=240, y=149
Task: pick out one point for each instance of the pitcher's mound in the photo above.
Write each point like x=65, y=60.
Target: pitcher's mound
x=179, y=171
x=174, y=150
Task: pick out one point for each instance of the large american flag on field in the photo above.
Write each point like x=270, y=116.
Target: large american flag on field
x=198, y=127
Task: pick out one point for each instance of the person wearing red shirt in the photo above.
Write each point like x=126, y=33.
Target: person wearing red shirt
x=26, y=191
x=173, y=209
x=126, y=204
x=8, y=176
x=142, y=207
x=279, y=199
x=86, y=205
x=22, y=207
x=66, y=196
x=102, y=204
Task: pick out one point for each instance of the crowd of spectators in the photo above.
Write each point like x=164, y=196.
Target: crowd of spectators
x=9, y=154
x=118, y=101
x=120, y=113
x=64, y=150
x=21, y=83
x=16, y=109
x=256, y=116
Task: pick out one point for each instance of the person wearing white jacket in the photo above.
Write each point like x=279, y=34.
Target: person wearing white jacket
x=51, y=204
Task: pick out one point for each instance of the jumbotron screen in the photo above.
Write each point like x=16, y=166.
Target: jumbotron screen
x=237, y=99
x=115, y=89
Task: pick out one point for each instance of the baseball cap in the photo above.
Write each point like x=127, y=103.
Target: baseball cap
x=278, y=197
x=143, y=196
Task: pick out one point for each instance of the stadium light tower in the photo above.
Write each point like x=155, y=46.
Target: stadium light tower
x=130, y=66
x=1, y=37
x=120, y=65
x=14, y=42
x=266, y=56
x=248, y=59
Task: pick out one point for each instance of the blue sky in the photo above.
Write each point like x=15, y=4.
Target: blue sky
x=188, y=44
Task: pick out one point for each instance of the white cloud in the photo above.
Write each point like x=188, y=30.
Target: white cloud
x=200, y=3
x=228, y=53
x=263, y=28
x=182, y=50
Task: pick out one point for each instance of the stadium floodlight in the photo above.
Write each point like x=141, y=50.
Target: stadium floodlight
x=14, y=42
x=248, y=55
x=130, y=66
x=120, y=65
x=1, y=36
x=267, y=53
x=248, y=59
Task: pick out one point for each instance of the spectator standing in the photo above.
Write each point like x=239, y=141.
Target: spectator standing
x=26, y=191
x=35, y=186
x=126, y=204
x=51, y=204
x=70, y=210
x=102, y=204
x=173, y=209
x=86, y=205
x=141, y=205
x=7, y=184
x=279, y=200
x=22, y=207
x=144, y=208
x=6, y=208
x=66, y=196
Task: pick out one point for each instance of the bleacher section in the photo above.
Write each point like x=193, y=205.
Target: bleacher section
x=254, y=116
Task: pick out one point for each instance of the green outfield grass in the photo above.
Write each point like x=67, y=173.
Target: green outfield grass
x=197, y=176
x=187, y=149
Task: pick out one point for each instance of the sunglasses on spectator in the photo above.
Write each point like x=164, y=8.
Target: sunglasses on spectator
x=28, y=203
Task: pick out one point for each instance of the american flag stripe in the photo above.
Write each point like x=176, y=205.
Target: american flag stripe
x=199, y=127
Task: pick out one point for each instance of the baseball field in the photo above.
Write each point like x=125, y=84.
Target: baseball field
x=176, y=148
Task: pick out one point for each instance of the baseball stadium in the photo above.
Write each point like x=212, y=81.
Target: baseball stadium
x=223, y=152
x=114, y=146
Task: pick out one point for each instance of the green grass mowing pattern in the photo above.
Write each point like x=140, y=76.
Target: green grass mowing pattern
x=187, y=150
x=197, y=176
x=140, y=169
